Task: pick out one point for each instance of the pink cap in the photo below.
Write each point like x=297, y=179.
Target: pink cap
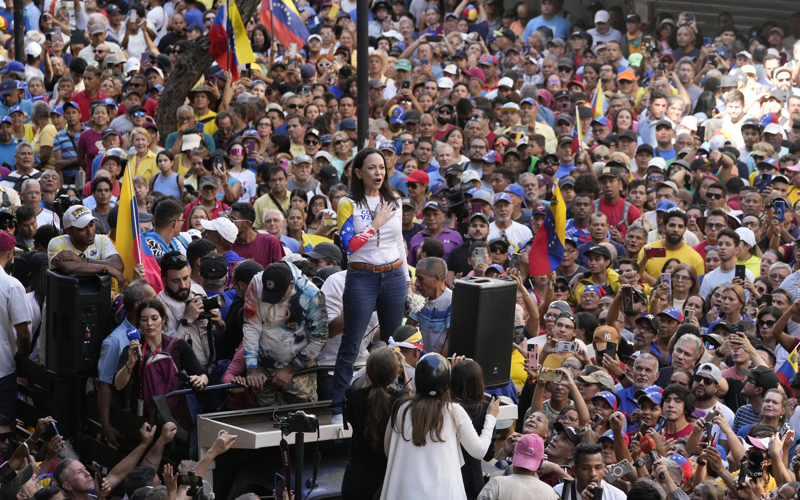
x=7, y=241
x=689, y=122
x=794, y=168
x=476, y=73
x=529, y=452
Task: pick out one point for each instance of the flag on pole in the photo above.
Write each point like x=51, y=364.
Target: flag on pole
x=549, y=239
x=229, y=43
x=288, y=25
x=577, y=134
x=599, y=103
x=129, y=237
x=788, y=369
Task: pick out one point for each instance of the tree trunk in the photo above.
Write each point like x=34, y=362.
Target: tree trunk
x=191, y=66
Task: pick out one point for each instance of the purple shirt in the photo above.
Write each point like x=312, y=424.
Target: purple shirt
x=449, y=238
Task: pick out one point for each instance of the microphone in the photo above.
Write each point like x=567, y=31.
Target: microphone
x=133, y=334
x=648, y=445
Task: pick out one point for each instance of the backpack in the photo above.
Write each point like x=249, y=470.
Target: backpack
x=22, y=178
x=160, y=376
x=625, y=210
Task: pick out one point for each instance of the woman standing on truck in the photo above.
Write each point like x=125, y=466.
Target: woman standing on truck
x=371, y=230
x=156, y=365
x=368, y=410
x=426, y=433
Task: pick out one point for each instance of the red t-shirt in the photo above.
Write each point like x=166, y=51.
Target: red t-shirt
x=439, y=134
x=83, y=101
x=681, y=433
x=701, y=249
x=265, y=249
x=614, y=215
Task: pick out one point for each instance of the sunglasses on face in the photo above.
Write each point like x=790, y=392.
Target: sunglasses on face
x=341, y=141
x=768, y=323
x=413, y=185
x=311, y=143
x=496, y=250
x=561, y=288
x=714, y=196
x=296, y=106
x=138, y=114
x=237, y=151
x=704, y=380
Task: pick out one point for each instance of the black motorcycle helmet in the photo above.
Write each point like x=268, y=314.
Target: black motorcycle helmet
x=433, y=375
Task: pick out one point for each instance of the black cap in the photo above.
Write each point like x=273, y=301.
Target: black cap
x=275, y=280
x=651, y=320
x=325, y=251
x=213, y=266
x=433, y=375
x=645, y=147
x=629, y=134
x=245, y=270
x=599, y=250
x=764, y=376
x=571, y=433
x=328, y=175
x=609, y=172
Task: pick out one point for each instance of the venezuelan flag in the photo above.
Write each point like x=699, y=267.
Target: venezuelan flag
x=129, y=237
x=549, y=240
x=788, y=369
x=577, y=134
x=229, y=43
x=288, y=25
x=599, y=103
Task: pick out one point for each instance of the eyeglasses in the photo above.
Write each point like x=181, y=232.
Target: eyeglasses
x=176, y=259
x=406, y=141
x=341, y=141
x=714, y=196
x=769, y=323
x=138, y=114
x=714, y=247
x=681, y=278
x=567, y=418
x=563, y=326
x=496, y=250
x=179, y=221
x=655, y=177
x=704, y=380
x=311, y=143
x=296, y=106
x=604, y=157
x=236, y=220
x=550, y=316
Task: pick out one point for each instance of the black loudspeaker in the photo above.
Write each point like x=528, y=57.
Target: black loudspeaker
x=78, y=319
x=482, y=325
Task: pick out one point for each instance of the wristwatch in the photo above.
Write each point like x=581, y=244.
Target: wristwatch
x=185, y=322
x=621, y=376
x=639, y=463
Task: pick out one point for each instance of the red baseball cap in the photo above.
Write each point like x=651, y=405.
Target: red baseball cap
x=418, y=176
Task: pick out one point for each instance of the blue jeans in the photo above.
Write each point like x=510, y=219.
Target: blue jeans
x=365, y=292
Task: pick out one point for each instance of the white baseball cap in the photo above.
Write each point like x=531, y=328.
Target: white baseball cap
x=224, y=226
x=658, y=162
x=445, y=83
x=469, y=176
x=506, y=82
x=450, y=69
x=601, y=16
x=190, y=142
x=324, y=154
x=78, y=216
x=747, y=235
x=132, y=65
x=33, y=50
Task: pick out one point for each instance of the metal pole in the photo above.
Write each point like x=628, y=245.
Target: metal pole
x=19, y=31
x=362, y=28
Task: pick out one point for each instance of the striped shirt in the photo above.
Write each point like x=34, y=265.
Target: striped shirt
x=434, y=320
x=67, y=143
x=745, y=416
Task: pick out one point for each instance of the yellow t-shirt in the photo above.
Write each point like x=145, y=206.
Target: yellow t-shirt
x=771, y=484
x=296, y=149
x=28, y=137
x=518, y=373
x=44, y=137
x=753, y=264
x=684, y=254
x=794, y=195
x=146, y=168
x=209, y=125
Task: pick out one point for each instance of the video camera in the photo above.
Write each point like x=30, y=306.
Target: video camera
x=64, y=202
x=298, y=422
x=454, y=194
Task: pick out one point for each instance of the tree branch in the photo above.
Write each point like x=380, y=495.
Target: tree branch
x=191, y=66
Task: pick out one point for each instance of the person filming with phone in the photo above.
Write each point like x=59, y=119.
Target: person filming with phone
x=728, y=272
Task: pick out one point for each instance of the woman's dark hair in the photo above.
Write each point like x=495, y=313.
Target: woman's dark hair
x=382, y=368
x=705, y=104
x=667, y=263
x=299, y=193
x=323, y=124
x=167, y=153
x=466, y=386
x=357, y=192
x=588, y=322
x=310, y=217
x=283, y=142
x=151, y=304
x=463, y=139
x=267, y=38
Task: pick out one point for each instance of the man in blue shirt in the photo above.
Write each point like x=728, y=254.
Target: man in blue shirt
x=549, y=19
x=664, y=136
x=10, y=95
x=7, y=142
x=645, y=374
x=135, y=293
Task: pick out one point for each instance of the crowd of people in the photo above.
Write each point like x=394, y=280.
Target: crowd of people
x=658, y=359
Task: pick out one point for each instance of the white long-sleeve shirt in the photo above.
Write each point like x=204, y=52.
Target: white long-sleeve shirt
x=433, y=470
